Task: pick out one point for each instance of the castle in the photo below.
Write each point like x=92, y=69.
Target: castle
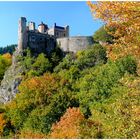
x=45, y=38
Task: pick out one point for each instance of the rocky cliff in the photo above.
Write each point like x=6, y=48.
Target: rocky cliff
x=11, y=80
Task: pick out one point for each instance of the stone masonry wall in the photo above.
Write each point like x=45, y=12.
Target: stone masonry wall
x=74, y=44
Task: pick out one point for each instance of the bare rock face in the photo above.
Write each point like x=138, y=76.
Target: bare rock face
x=11, y=80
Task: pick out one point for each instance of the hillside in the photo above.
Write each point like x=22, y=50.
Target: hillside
x=93, y=93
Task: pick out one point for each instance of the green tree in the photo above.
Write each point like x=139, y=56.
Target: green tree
x=8, y=49
x=5, y=62
x=102, y=35
x=94, y=55
x=97, y=85
x=41, y=102
x=41, y=64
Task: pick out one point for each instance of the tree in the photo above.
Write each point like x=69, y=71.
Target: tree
x=124, y=17
x=8, y=49
x=41, y=102
x=96, y=86
x=41, y=64
x=92, y=56
x=101, y=35
x=5, y=62
x=69, y=125
x=2, y=124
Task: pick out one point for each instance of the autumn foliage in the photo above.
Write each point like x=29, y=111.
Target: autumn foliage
x=87, y=94
x=2, y=123
x=5, y=62
x=123, y=19
x=68, y=126
x=31, y=135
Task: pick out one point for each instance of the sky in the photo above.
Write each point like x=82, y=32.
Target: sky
x=75, y=14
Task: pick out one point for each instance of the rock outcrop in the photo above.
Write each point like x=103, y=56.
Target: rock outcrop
x=11, y=80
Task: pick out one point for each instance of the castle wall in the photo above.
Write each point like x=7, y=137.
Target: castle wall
x=74, y=44
x=39, y=42
x=59, y=32
x=43, y=42
x=51, y=31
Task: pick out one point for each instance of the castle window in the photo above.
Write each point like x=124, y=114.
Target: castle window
x=41, y=39
x=33, y=38
x=64, y=35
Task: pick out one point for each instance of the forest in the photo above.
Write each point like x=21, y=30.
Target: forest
x=8, y=49
x=94, y=93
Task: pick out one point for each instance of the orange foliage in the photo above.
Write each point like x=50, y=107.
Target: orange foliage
x=68, y=126
x=7, y=56
x=48, y=81
x=124, y=17
x=31, y=135
x=37, y=90
x=2, y=123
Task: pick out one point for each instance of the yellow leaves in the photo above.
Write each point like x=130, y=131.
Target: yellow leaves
x=136, y=112
x=124, y=17
x=43, y=84
x=2, y=123
x=31, y=135
x=7, y=56
x=37, y=91
x=12, y=104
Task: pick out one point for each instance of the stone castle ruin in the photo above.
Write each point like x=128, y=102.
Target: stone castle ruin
x=40, y=39
x=43, y=39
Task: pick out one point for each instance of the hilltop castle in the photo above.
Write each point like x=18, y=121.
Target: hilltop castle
x=45, y=38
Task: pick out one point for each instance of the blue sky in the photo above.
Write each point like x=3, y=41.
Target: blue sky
x=75, y=14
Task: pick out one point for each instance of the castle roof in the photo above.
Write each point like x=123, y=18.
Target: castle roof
x=59, y=27
x=42, y=24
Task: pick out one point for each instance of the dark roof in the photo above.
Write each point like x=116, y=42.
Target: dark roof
x=42, y=24
x=59, y=27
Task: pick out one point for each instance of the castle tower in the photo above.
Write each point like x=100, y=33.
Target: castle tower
x=22, y=36
x=42, y=28
x=67, y=30
x=31, y=26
